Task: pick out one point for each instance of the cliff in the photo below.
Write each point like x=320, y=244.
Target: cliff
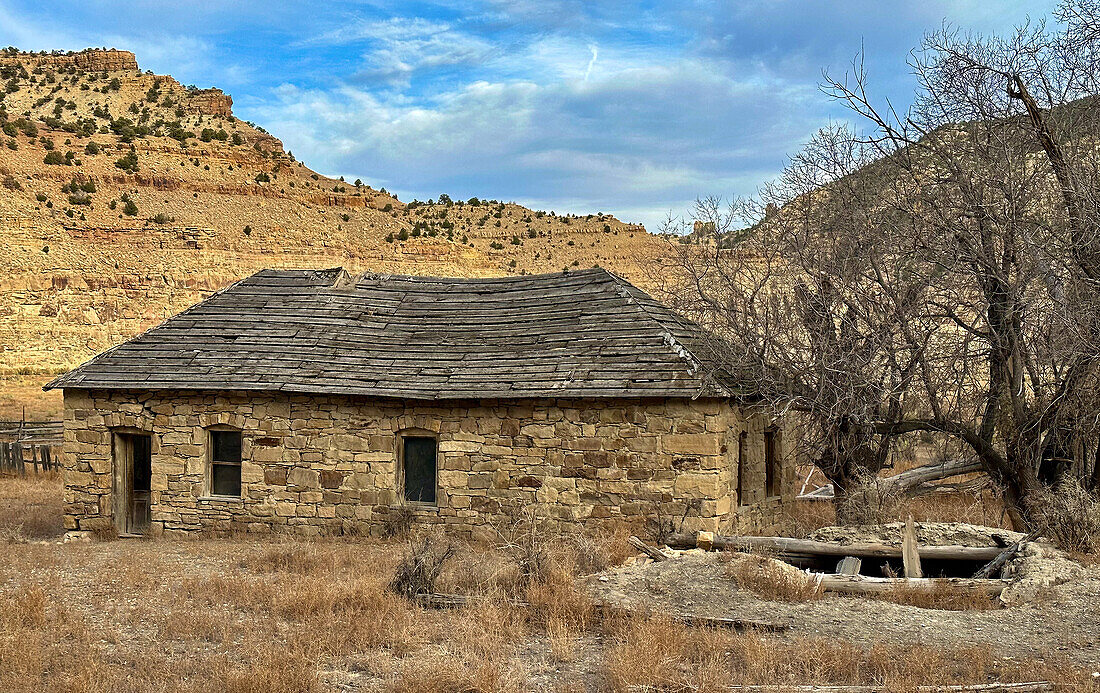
x=87, y=60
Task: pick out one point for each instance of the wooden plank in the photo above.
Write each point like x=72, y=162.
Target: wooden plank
x=807, y=547
x=655, y=554
x=1004, y=556
x=860, y=584
x=849, y=565
x=910, y=557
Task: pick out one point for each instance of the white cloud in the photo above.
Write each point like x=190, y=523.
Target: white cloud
x=641, y=128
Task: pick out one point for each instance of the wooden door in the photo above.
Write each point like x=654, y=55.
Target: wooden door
x=133, y=459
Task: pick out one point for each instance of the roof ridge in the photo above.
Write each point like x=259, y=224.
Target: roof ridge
x=626, y=289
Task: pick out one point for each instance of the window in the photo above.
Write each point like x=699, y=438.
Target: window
x=742, y=461
x=418, y=462
x=771, y=465
x=225, y=463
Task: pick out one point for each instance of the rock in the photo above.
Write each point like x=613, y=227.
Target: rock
x=1036, y=567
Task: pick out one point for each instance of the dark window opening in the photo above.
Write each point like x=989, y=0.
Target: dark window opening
x=742, y=460
x=225, y=463
x=418, y=464
x=771, y=466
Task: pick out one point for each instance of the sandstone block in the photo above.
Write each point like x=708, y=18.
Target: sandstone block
x=305, y=478
x=692, y=443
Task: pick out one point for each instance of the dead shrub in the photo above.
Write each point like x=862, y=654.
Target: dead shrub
x=420, y=569
x=596, y=551
x=525, y=538
x=771, y=579
x=537, y=548
x=1071, y=516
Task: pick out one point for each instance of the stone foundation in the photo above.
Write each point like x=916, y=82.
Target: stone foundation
x=316, y=465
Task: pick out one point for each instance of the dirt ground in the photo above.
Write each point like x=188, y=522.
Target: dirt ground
x=1063, y=622
x=276, y=615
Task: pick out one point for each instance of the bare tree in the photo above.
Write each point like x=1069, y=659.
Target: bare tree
x=940, y=272
x=998, y=166
x=817, y=306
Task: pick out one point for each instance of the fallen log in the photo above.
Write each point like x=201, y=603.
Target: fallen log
x=912, y=478
x=1028, y=687
x=811, y=548
x=1003, y=557
x=915, y=481
x=859, y=584
x=655, y=554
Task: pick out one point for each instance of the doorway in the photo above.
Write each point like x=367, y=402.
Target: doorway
x=133, y=470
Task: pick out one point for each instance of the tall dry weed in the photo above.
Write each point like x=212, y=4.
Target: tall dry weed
x=1070, y=516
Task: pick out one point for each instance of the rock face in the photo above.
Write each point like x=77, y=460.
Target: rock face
x=331, y=465
x=87, y=60
x=210, y=102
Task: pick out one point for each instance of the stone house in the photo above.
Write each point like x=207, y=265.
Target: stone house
x=317, y=402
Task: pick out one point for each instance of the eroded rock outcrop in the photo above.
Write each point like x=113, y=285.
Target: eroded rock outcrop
x=89, y=59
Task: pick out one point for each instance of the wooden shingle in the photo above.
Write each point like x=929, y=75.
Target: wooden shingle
x=583, y=334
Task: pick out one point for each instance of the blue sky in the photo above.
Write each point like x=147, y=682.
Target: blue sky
x=630, y=108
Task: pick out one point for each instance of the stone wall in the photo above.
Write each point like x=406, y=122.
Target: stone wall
x=328, y=465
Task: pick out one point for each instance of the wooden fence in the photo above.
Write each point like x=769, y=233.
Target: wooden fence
x=30, y=446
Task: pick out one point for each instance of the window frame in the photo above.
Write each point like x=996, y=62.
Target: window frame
x=211, y=463
x=773, y=482
x=401, y=491
x=742, y=463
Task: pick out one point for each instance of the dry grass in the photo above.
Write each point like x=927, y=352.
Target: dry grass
x=770, y=579
x=30, y=507
x=940, y=596
x=274, y=615
x=659, y=654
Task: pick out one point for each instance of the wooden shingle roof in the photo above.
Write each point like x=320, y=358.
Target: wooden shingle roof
x=579, y=334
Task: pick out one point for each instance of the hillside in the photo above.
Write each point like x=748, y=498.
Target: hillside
x=127, y=196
